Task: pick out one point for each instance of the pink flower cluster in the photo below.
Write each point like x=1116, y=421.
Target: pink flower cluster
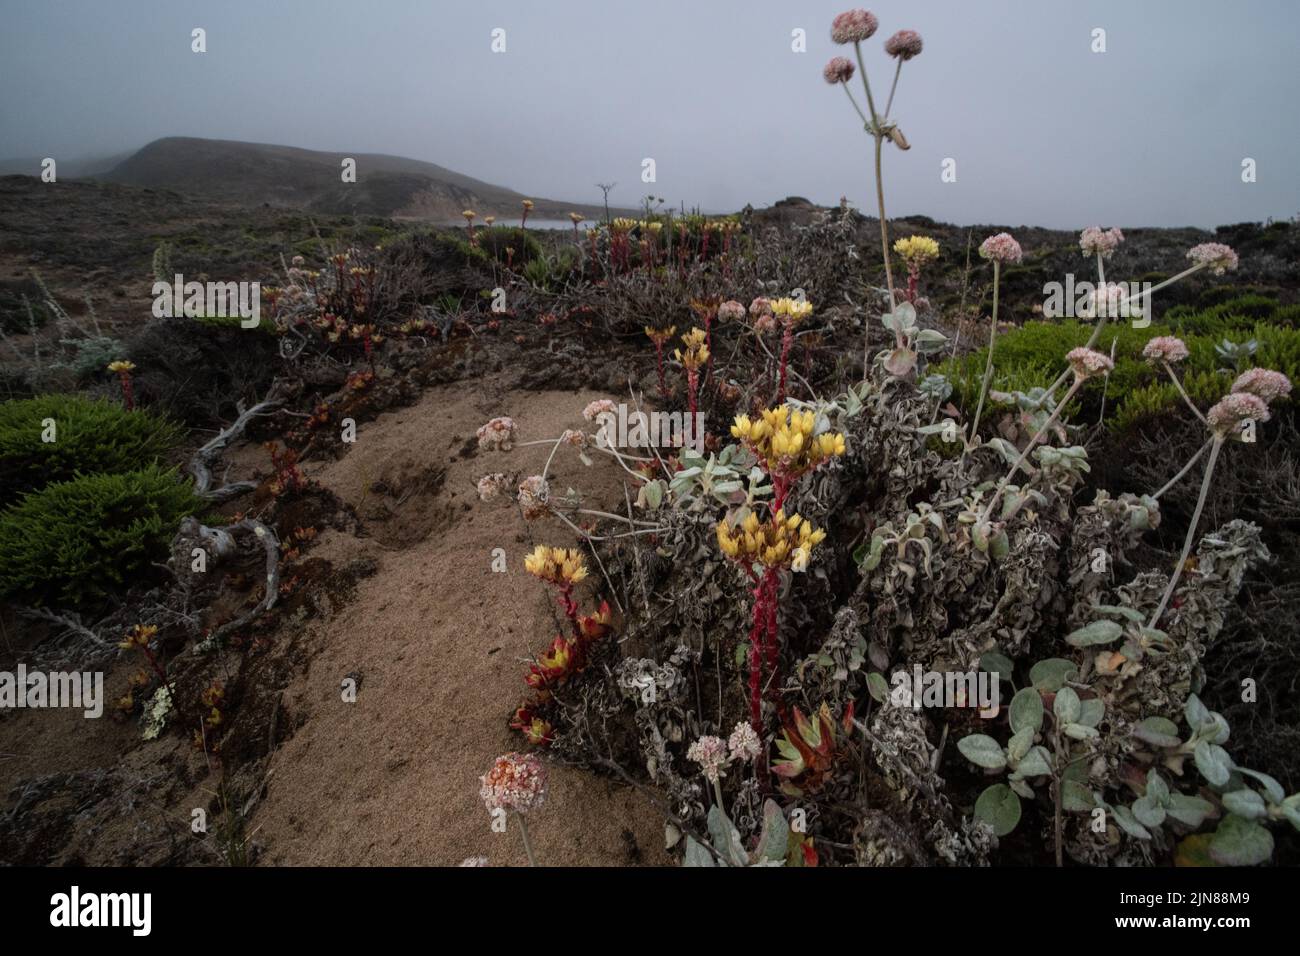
x=1095, y=241
x=731, y=311
x=601, y=406
x=497, y=434
x=1001, y=248
x=1087, y=362
x=1214, y=255
x=516, y=782
x=743, y=744
x=1107, y=299
x=904, y=44
x=854, y=26
x=711, y=754
x=1165, y=348
x=1233, y=410
x=1264, y=383
x=838, y=70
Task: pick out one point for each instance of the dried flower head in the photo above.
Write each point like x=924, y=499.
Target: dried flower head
x=838, y=70
x=711, y=754
x=783, y=437
x=1001, y=248
x=904, y=44
x=489, y=486
x=574, y=437
x=534, y=494
x=1266, y=383
x=1165, y=348
x=1213, y=255
x=743, y=744
x=731, y=311
x=516, y=782
x=1088, y=362
x=1233, y=410
x=854, y=26
x=774, y=543
x=697, y=352
x=917, y=250
x=497, y=434
x=563, y=566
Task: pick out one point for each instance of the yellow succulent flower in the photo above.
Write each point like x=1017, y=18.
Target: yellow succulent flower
x=917, y=249
x=792, y=311
x=562, y=566
x=779, y=541
x=469, y=214
x=697, y=353
x=783, y=437
x=121, y=365
x=660, y=336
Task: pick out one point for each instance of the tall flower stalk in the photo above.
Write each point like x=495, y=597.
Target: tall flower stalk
x=123, y=369
x=999, y=248
x=693, y=359
x=855, y=26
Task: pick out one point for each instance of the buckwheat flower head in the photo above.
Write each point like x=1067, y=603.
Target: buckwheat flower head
x=534, y=493
x=1001, y=248
x=1108, y=300
x=497, y=434
x=1215, y=255
x=711, y=754
x=1264, y=382
x=1165, y=348
x=601, y=406
x=1234, y=409
x=743, y=743
x=854, y=26
x=760, y=306
x=766, y=322
x=516, y=782
x=489, y=486
x=904, y=44
x=731, y=311
x=1087, y=362
x=574, y=437
x=1095, y=241
x=838, y=70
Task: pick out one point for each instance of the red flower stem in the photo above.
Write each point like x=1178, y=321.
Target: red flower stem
x=692, y=385
x=128, y=393
x=659, y=356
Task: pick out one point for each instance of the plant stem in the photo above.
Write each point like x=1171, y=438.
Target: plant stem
x=889, y=103
x=988, y=364
x=1215, y=444
x=1183, y=392
x=717, y=794
x=1185, y=469
x=528, y=847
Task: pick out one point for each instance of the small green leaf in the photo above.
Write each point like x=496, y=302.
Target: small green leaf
x=1213, y=762
x=1240, y=842
x=877, y=687
x=1245, y=803
x=1189, y=811
x=999, y=807
x=1273, y=789
x=1050, y=675
x=983, y=751
x=1026, y=710
x=1128, y=823
x=1091, y=711
x=1157, y=789
x=1098, y=632
x=1148, y=812
x=1067, y=706
x=1035, y=763
x=993, y=662
x=1158, y=731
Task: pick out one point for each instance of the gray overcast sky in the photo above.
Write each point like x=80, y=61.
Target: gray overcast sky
x=1044, y=131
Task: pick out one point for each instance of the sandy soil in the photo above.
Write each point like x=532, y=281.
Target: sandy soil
x=436, y=639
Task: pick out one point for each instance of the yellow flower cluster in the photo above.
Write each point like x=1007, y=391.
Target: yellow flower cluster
x=623, y=224
x=120, y=366
x=469, y=214
x=792, y=311
x=783, y=437
x=772, y=543
x=556, y=565
x=697, y=353
x=660, y=336
x=917, y=249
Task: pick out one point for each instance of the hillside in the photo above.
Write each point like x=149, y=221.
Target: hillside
x=256, y=173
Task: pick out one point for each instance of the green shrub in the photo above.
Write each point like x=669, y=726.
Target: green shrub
x=90, y=437
x=494, y=240
x=76, y=542
x=1034, y=355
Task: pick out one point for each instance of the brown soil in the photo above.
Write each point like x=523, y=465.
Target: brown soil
x=435, y=640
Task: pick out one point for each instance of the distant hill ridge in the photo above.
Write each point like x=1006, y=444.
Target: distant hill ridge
x=391, y=186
